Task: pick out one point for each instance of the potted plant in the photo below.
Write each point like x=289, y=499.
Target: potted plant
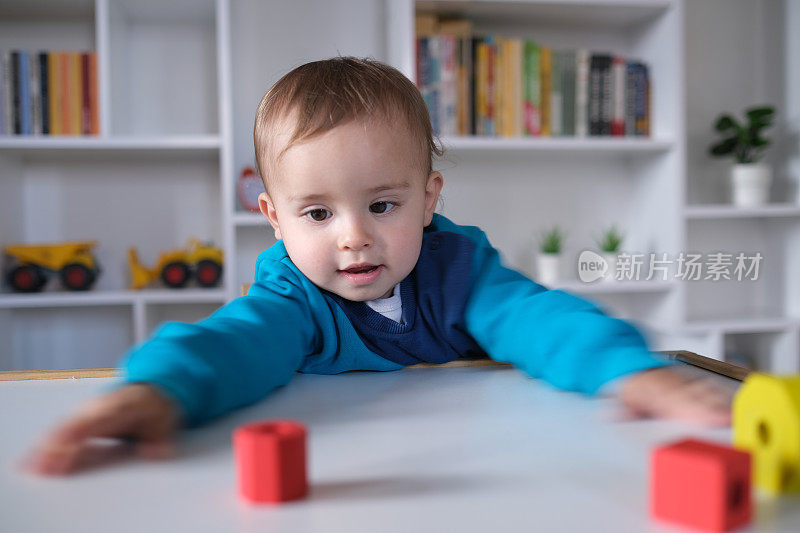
x=548, y=260
x=750, y=180
x=609, y=242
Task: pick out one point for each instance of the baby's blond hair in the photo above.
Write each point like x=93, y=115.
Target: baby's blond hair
x=321, y=95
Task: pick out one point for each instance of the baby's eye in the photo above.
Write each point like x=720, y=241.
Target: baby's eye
x=382, y=207
x=318, y=215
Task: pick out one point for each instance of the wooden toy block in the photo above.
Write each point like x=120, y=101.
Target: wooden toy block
x=766, y=422
x=701, y=484
x=271, y=461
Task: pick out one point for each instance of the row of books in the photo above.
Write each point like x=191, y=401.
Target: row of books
x=48, y=93
x=510, y=87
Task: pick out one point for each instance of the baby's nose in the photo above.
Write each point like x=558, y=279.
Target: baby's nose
x=355, y=237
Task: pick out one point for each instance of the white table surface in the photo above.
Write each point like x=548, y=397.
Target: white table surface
x=456, y=449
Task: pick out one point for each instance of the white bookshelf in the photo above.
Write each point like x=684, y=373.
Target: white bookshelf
x=179, y=84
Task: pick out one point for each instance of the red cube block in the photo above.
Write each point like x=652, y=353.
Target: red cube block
x=271, y=461
x=701, y=484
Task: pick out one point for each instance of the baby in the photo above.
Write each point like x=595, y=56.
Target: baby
x=365, y=276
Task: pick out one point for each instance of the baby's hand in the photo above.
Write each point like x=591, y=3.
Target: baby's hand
x=135, y=411
x=671, y=393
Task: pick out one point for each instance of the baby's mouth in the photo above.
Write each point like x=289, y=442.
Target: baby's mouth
x=360, y=269
x=361, y=273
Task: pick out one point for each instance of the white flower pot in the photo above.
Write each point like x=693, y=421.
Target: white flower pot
x=611, y=261
x=548, y=269
x=750, y=184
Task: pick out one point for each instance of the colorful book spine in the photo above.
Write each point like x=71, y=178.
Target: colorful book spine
x=547, y=88
x=64, y=83
x=94, y=95
x=35, y=93
x=463, y=81
x=475, y=43
x=642, y=122
x=44, y=87
x=448, y=92
x=55, y=91
x=606, y=96
x=491, y=86
x=532, y=95
x=630, y=98
x=582, y=92
x=516, y=86
x=7, y=123
x=23, y=86
x=618, y=96
x=482, y=88
x=556, y=96
x=568, y=90
x=75, y=93
x=86, y=106
x=596, y=63
x=429, y=78
x=501, y=87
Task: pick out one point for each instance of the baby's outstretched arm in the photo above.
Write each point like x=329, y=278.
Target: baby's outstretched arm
x=671, y=393
x=136, y=411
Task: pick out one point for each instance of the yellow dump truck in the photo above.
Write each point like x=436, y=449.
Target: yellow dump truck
x=196, y=259
x=30, y=265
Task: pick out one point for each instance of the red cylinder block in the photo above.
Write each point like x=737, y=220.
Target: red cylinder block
x=271, y=461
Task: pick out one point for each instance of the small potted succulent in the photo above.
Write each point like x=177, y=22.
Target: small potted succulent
x=750, y=180
x=548, y=260
x=609, y=243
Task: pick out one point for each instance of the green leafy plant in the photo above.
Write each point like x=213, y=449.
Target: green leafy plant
x=743, y=141
x=551, y=241
x=610, y=240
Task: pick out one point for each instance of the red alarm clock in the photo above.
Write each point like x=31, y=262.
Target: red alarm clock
x=248, y=188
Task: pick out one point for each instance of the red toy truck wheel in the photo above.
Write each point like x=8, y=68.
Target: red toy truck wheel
x=175, y=274
x=208, y=273
x=77, y=277
x=26, y=278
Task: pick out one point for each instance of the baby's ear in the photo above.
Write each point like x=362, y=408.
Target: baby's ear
x=432, y=189
x=268, y=209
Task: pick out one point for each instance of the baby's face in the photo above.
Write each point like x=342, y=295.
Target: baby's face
x=350, y=206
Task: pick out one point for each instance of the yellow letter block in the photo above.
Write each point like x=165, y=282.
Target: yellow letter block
x=766, y=422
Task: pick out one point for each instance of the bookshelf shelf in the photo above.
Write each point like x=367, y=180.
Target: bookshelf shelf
x=726, y=211
x=754, y=324
x=245, y=219
x=143, y=146
x=617, y=287
x=620, y=146
x=111, y=298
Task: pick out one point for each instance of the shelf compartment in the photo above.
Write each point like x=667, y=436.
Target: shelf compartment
x=84, y=337
x=162, y=67
x=47, y=25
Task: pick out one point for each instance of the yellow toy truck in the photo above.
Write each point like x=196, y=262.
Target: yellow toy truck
x=30, y=265
x=176, y=267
